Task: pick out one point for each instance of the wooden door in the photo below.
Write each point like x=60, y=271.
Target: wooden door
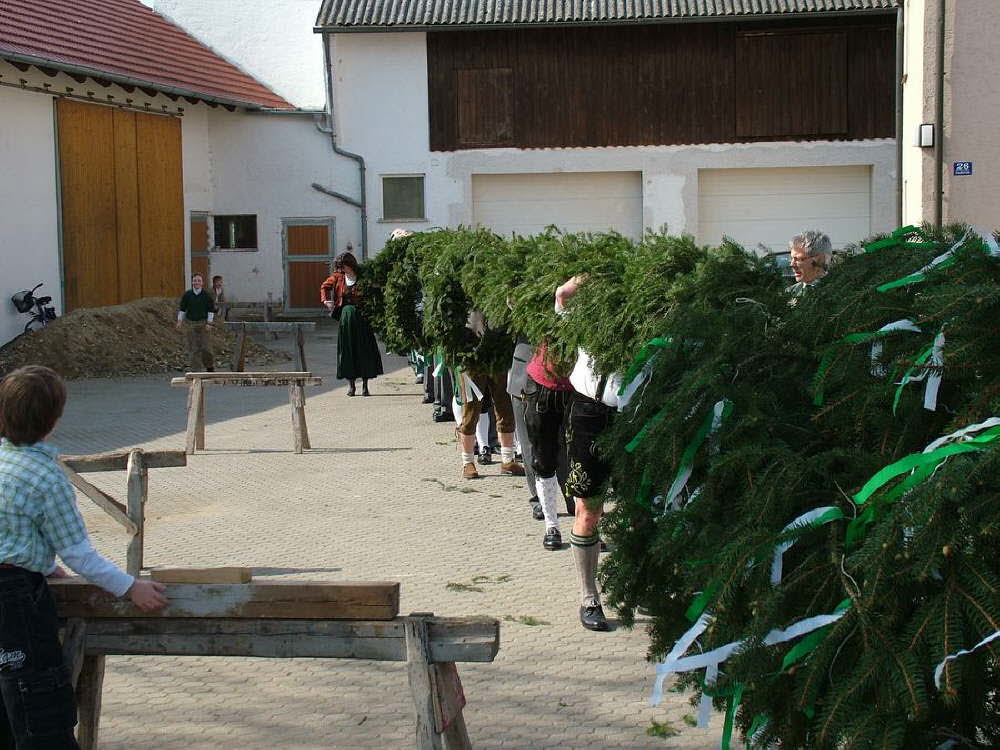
x=199, y=247
x=122, y=204
x=308, y=258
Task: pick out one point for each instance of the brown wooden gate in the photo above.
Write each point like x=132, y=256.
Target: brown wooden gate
x=308, y=257
x=122, y=204
x=200, y=261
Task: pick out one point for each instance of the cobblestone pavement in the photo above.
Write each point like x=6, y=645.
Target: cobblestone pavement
x=379, y=497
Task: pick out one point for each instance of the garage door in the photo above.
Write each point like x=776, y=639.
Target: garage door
x=770, y=206
x=573, y=201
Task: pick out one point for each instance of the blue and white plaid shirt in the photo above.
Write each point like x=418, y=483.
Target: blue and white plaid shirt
x=38, y=511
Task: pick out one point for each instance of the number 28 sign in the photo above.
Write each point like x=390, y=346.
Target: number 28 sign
x=962, y=168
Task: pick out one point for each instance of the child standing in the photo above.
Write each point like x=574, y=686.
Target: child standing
x=39, y=520
x=195, y=312
x=219, y=297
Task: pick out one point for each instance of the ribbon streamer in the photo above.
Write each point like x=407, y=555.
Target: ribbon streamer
x=939, y=670
x=942, y=261
x=991, y=243
x=722, y=409
x=857, y=338
x=934, y=376
x=811, y=520
x=878, y=369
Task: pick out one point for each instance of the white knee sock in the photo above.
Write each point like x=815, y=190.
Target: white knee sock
x=483, y=431
x=468, y=458
x=548, y=495
x=506, y=454
x=456, y=410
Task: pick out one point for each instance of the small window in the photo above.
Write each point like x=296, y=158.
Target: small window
x=236, y=232
x=403, y=197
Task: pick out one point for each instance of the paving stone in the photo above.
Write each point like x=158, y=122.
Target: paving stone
x=379, y=497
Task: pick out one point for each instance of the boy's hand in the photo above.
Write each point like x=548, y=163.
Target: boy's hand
x=59, y=572
x=178, y=326
x=148, y=595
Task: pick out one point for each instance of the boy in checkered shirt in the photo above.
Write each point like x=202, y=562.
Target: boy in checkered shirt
x=39, y=520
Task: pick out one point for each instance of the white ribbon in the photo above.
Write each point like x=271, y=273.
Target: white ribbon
x=472, y=386
x=705, y=707
x=636, y=383
x=965, y=433
x=683, y=644
x=991, y=244
x=803, y=521
x=718, y=655
x=905, y=324
x=951, y=657
x=437, y=370
x=934, y=376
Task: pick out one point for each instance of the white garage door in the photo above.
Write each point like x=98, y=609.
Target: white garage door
x=573, y=201
x=770, y=206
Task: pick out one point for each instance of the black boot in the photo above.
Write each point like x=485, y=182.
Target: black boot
x=350, y=391
x=364, y=387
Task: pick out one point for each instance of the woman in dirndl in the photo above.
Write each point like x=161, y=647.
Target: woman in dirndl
x=357, y=351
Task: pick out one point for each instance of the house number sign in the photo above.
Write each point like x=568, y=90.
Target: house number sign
x=962, y=168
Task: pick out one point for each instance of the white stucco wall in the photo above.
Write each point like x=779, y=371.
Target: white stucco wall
x=272, y=40
x=919, y=65
x=381, y=112
x=265, y=165
x=972, y=105
x=29, y=225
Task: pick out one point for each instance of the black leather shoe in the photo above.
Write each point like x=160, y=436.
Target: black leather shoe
x=364, y=392
x=552, y=539
x=485, y=457
x=592, y=618
x=350, y=391
x=536, y=509
x=427, y=399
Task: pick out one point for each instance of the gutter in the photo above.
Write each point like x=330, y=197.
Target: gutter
x=83, y=70
x=939, y=120
x=900, y=52
x=362, y=204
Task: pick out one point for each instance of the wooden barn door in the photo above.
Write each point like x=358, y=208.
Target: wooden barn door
x=199, y=246
x=309, y=247
x=122, y=204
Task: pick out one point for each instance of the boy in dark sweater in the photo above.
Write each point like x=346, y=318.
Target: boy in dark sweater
x=196, y=311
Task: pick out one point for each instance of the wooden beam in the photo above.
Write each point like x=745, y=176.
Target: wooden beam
x=194, y=405
x=451, y=639
x=73, y=643
x=285, y=599
x=104, y=501
x=423, y=685
x=272, y=326
x=138, y=487
x=118, y=460
x=250, y=380
x=208, y=376
x=300, y=346
x=238, y=363
x=202, y=575
x=88, y=700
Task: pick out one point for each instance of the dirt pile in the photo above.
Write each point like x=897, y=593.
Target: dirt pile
x=136, y=338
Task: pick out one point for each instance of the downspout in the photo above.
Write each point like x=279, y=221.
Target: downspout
x=939, y=127
x=900, y=51
x=363, y=203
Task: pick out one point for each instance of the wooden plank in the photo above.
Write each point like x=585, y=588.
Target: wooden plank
x=161, y=204
x=201, y=575
x=254, y=374
x=199, y=426
x=88, y=699
x=104, y=501
x=285, y=599
x=138, y=488
x=275, y=325
x=127, y=207
x=451, y=639
x=73, y=644
x=301, y=400
x=451, y=701
x=238, y=363
x=422, y=682
x=194, y=403
x=118, y=460
x=249, y=381
x=89, y=221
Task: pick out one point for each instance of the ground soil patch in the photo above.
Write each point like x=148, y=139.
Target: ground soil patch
x=136, y=338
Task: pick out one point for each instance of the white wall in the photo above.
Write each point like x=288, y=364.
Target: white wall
x=272, y=40
x=265, y=165
x=919, y=65
x=381, y=110
x=29, y=239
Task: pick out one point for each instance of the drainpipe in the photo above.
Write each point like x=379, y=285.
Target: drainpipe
x=939, y=127
x=363, y=203
x=900, y=51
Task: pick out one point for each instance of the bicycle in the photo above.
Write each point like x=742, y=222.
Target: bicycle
x=26, y=302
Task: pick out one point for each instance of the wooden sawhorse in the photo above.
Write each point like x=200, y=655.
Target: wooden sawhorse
x=197, y=381
x=279, y=619
x=242, y=328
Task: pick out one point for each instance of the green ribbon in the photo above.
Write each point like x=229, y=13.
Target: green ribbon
x=641, y=435
x=646, y=353
x=702, y=601
x=645, y=487
x=913, y=278
x=727, y=727
x=758, y=723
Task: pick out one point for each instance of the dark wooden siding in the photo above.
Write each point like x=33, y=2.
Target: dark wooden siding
x=661, y=84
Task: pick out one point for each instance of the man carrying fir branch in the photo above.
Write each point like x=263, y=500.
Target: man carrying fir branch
x=810, y=254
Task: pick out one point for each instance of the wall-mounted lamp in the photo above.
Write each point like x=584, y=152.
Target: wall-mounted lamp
x=925, y=135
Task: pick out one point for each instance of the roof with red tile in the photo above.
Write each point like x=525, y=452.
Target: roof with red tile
x=125, y=41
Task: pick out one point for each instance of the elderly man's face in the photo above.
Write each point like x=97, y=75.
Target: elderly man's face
x=807, y=268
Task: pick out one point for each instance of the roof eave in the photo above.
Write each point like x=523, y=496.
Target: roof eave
x=390, y=28
x=85, y=70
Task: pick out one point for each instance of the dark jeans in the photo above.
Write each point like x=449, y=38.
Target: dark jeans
x=588, y=419
x=40, y=708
